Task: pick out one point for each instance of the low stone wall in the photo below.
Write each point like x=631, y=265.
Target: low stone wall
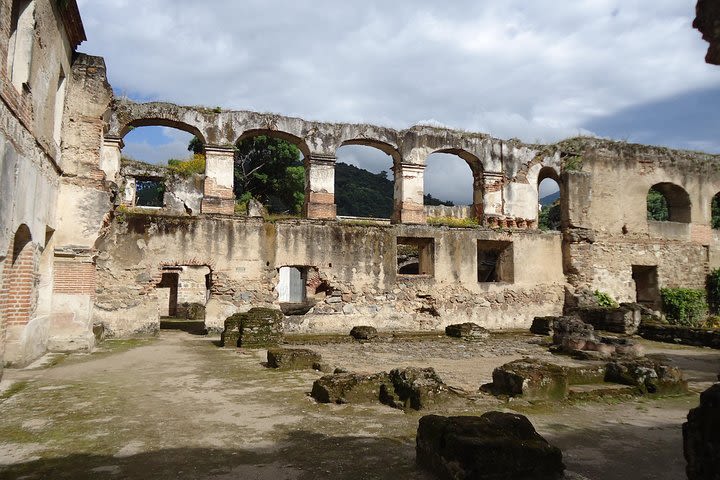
x=351, y=272
x=698, y=337
x=457, y=211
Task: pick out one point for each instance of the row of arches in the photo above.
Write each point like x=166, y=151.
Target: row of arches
x=365, y=173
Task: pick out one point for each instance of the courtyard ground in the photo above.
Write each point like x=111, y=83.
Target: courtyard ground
x=180, y=407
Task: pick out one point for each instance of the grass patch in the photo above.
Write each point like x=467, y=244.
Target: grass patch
x=14, y=389
x=453, y=222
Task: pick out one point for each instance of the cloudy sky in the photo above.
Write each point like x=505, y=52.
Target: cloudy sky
x=538, y=70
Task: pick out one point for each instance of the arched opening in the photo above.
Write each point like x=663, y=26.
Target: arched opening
x=150, y=154
x=365, y=180
x=450, y=182
x=270, y=169
x=667, y=202
x=19, y=275
x=715, y=211
x=549, y=211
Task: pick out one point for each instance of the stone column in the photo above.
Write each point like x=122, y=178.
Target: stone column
x=493, y=193
x=110, y=156
x=320, y=187
x=409, y=193
x=478, y=196
x=218, y=196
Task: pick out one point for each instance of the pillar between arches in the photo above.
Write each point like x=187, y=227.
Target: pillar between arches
x=320, y=187
x=218, y=196
x=409, y=194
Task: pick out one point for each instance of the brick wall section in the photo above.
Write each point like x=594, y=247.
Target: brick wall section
x=217, y=199
x=19, y=296
x=74, y=278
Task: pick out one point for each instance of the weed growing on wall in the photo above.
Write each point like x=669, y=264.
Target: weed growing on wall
x=604, y=299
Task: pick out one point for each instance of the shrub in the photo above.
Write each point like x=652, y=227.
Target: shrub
x=713, y=290
x=188, y=167
x=684, y=306
x=604, y=299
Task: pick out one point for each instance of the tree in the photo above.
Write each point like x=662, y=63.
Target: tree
x=270, y=170
x=657, y=208
x=196, y=146
x=550, y=216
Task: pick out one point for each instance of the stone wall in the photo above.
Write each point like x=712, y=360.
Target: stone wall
x=605, y=216
x=353, y=273
x=31, y=120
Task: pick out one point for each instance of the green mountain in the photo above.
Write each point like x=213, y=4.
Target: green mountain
x=549, y=199
x=359, y=193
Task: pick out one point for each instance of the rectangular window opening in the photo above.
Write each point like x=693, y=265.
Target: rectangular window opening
x=292, y=287
x=149, y=192
x=415, y=256
x=495, y=261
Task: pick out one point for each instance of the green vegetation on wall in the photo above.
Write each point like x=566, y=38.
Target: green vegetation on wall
x=684, y=306
x=604, y=299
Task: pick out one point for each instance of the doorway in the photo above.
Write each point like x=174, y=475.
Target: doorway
x=647, y=288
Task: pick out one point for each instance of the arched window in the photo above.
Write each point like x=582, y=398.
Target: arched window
x=667, y=202
x=715, y=211
x=549, y=213
x=269, y=168
x=450, y=182
x=364, y=181
x=156, y=145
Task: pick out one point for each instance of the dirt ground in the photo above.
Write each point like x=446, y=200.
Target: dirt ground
x=180, y=407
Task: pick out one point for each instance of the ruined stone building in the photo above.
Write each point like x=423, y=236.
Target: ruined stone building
x=78, y=250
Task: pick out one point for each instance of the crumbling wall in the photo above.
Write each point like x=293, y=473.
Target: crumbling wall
x=30, y=169
x=354, y=267
x=608, y=230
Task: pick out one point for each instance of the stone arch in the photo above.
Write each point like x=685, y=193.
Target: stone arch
x=162, y=122
x=550, y=215
x=715, y=211
x=549, y=172
x=478, y=175
x=354, y=203
x=676, y=199
x=288, y=137
x=18, y=282
x=384, y=147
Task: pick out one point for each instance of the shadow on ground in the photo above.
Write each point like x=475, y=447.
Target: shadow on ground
x=303, y=455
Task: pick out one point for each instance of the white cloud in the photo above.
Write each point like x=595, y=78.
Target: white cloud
x=536, y=70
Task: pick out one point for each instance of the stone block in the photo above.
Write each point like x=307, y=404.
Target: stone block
x=648, y=376
x=415, y=388
x=292, y=358
x=261, y=328
x=256, y=328
x=494, y=446
x=363, y=332
x=701, y=437
x=467, y=331
x=230, y=337
x=350, y=388
x=623, y=319
x=543, y=325
x=531, y=379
